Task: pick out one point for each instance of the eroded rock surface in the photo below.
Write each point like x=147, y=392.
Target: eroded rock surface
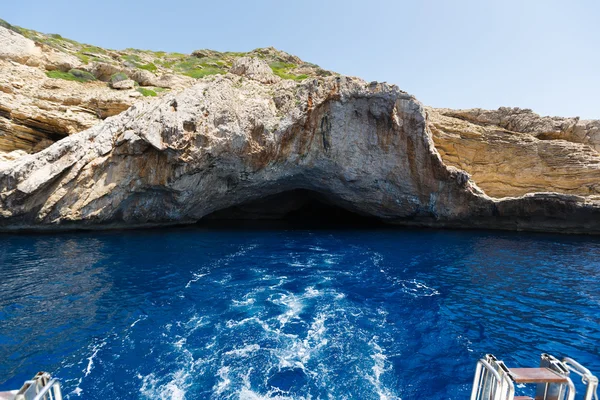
x=363, y=147
x=36, y=111
x=254, y=68
x=512, y=152
x=246, y=129
x=42, y=100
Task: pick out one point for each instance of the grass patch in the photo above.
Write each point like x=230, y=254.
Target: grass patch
x=188, y=64
x=132, y=58
x=118, y=77
x=93, y=50
x=6, y=25
x=235, y=53
x=165, y=63
x=148, y=67
x=83, y=57
x=199, y=68
x=198, y=73
x=137, y=62
x=146, y=92
x=73, y=75
x=82, y=76
x=282, y=70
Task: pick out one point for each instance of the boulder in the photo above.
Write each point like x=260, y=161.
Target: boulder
x=123, y=85
x=254, y=68
x=18, y=48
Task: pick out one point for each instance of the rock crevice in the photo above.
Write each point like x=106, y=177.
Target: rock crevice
x=364, y=147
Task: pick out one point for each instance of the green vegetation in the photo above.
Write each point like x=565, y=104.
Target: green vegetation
x=146, y=92
x=83, y=57
x=137, y=62
x=82, y=76
x=5, y=24
x=148, y=67
x=199, y=64
x=201, y=73
x=198, y=67
x=132, y=58
x=13, y=28
x=118, y=77
x=53, y=40
x=93, y=50
x=235, y=54
x=282, y=69
x=73, y=75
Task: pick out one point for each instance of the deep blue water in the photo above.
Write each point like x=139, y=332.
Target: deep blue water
x=369, y=314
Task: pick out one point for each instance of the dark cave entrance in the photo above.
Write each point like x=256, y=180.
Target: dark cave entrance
x=298, y=208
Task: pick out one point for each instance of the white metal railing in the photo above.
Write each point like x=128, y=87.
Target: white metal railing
x=555, y=391
x=41, y=387
x=590, y=381
x=492, y=381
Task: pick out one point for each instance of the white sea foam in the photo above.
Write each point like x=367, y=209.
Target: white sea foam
x=244, y=351
x=224, y=382
x=312, y=292
x=380, y=367
x=417, y=288
x=195, y=322
x=195, y=278
x=242, y=303
x=249, y=394
x=294, y=306
x=90, y=359
x=174, y=389
x=143, y=317
x=95, y=348
x=314, y=329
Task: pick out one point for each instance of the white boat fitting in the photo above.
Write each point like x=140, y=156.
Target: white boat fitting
x=495, y=381
x=41, y=387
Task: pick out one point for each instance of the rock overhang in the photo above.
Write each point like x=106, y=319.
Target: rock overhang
x=227, y=141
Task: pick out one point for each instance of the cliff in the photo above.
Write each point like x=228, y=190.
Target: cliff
x=268, y=124
x=52, y=87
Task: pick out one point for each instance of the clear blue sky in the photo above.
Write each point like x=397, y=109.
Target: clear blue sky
x=539, y=54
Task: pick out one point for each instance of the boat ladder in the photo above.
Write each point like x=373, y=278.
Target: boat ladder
x=495, y=381
x=41, y=387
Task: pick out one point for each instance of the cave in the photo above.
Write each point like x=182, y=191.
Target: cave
x=298, y=208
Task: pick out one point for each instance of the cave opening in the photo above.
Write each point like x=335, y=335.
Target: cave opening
x=294, y=209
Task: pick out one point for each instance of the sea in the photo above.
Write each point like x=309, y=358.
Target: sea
x=291, y=313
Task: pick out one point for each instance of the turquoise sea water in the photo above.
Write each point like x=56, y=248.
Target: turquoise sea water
x=200, y=313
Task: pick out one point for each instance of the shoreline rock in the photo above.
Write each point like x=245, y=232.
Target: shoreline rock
x=236, y=128
x=365, y=147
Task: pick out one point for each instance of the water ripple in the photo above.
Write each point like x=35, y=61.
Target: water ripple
x=197, y=314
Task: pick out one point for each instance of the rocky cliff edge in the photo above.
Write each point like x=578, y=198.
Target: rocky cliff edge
x=248, y=134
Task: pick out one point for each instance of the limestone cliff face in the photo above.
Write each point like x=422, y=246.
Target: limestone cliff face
x=52, y=87
x=35, y=110
x=512, y=152
x=230, y=140
x=260, y=124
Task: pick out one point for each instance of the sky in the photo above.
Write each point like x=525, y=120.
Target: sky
x=538, y=54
